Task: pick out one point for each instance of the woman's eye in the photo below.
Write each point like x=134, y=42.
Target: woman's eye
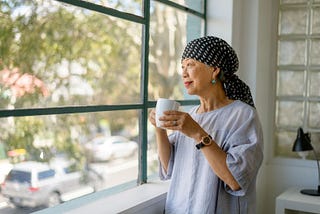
x=191, y=63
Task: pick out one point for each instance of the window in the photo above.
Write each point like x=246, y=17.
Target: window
x=46, y=174
x=298, y=75
x=19, y=176
x=74, y=71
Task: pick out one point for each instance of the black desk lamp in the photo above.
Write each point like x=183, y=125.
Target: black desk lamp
x=302, y=144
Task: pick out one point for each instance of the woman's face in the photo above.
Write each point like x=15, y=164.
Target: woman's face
x=196, y=76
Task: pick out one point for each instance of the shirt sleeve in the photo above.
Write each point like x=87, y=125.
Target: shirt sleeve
x=245, y=153
x=163, y=174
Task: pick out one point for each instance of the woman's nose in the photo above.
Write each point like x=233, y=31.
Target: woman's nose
x=184, y=72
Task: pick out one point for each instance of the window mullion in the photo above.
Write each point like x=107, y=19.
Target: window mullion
x=143, y=120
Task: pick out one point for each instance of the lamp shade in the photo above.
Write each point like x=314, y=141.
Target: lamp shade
x=302, y=142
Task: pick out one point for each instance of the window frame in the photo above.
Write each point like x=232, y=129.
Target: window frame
x=145, y=103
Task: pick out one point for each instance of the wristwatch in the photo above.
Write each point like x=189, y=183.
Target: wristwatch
x=205, y=141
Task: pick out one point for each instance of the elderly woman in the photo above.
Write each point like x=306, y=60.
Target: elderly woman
x=215, y=151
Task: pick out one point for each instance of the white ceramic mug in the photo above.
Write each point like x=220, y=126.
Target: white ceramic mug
x=165, y=105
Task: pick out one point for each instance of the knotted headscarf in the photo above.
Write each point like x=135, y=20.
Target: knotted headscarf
x=214, y=51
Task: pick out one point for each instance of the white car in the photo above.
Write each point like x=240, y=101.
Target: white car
x=34, y=184
x=106, y=148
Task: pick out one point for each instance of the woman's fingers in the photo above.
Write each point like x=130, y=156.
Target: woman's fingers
x=170, y=115
x=173, y=120
x=152, y=117
x=181, y=121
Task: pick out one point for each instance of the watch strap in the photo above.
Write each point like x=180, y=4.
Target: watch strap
x=201, y=144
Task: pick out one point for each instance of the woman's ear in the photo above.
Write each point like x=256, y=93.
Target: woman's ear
x=215, y=72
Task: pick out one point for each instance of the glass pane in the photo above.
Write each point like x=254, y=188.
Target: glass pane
x=152, y=159
x=316, y=20
x=314, y=119
x=292, y=52
x=284, y=143
x=293, y=21
x=314, y=83
x=168, y=30
x=315, y=52
x=315, y=140
x=64, y=55
x=127, y=6
x=95, y=150
x=290, y=113
x=197, y=5
x=287, y=83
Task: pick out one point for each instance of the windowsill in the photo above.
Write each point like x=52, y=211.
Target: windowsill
x=146, y=198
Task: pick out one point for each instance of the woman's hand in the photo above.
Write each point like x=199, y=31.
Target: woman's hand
x=152, y=117
x=182, y=121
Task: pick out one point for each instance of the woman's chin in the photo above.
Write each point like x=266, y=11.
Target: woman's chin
x=190, y=92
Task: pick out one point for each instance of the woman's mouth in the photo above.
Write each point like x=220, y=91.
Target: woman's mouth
x=187, y=83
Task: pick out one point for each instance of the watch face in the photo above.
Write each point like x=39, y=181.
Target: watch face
x=206, y=140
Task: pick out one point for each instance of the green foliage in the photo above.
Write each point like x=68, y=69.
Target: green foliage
x=21, y=135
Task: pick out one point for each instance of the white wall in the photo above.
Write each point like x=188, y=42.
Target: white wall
x=253, y=34
x=219, y=19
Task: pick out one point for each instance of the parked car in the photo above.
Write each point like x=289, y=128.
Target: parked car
x=105, y=148
x=33, y=184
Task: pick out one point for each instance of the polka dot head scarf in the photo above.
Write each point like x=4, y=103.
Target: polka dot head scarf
x=216, y=52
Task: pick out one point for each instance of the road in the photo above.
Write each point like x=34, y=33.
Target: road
x=114, y=173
